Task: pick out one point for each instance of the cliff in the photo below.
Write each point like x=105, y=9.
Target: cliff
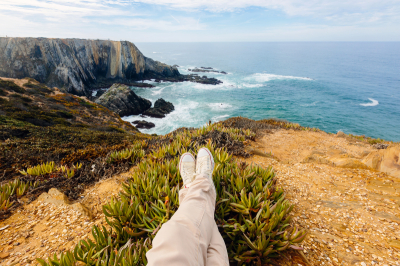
x=76, y=65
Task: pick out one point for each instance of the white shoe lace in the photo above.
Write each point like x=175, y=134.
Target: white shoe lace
x=203, y=166
x=187, y=173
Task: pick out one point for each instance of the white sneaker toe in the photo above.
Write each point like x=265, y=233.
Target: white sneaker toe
x=187, y=166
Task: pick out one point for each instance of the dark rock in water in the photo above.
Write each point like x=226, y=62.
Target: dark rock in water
x=153, y=112
x=160, y=109
x=143, y=124
x=123, y=101
x=163, y=104
x=77, y=65
x=206, y=70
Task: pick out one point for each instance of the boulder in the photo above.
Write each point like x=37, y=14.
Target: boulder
x=154, y=112
x=143, y=124
x=163, y=104
x=160, y=109
x=57, y=198
x=340, y=134
x=123, y=101
x=349, y=163
x=385, y=160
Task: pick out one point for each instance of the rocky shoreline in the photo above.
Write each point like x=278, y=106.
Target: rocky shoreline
x=78, y=66
x=192, y=78
x=120, y=99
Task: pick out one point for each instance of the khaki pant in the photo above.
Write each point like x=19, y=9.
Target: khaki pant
x=191, y=237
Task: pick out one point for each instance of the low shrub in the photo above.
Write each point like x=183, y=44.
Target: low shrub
x=10, y=85
x=252, y=213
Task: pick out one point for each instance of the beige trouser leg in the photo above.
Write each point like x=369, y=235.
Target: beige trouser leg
x=191, y=237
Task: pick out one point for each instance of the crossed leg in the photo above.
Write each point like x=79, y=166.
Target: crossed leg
x=191, y=237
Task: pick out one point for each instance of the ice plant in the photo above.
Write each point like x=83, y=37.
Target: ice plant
x=251, y=211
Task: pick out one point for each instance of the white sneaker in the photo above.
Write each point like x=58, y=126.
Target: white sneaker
x=187, y=166
x=205, y=163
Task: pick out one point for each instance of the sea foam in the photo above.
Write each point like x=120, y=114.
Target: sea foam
x=185, y=110
x=264, y=77
x=372, y=103
x=219, y=106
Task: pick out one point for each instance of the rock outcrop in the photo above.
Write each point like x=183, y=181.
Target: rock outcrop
x=207, y=70
x=385, y=160
x=123, y=101
x=54, y=196
x=76, y=65
x=160, y=109
x=143, y=124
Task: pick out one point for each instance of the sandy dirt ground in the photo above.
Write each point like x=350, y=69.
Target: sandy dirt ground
x=351, y=212
x=42, y=228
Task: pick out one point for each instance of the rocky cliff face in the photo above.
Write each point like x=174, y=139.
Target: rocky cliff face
x=76, y=65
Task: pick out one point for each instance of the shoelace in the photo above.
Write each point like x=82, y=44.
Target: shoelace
x=187, y=173
x=203, y=163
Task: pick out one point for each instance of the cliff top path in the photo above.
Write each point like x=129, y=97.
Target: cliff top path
x=351, y=211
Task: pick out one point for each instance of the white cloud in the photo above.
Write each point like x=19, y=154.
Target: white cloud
x=175, y=24
x=116, y=18
x=59, y=8
x=318, y=8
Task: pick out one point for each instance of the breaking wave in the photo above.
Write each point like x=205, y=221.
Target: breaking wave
x=264, y=77
x=372, y=103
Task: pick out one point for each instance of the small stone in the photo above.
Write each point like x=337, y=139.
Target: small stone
x=4, y=255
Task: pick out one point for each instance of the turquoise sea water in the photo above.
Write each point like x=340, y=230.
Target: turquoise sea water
x=352, y=87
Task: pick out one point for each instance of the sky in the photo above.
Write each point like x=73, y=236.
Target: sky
x=203, y=20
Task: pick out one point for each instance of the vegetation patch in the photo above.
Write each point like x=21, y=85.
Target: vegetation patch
x=369, y=140
x=252, y=213
x=37, y=88
x=10, y=86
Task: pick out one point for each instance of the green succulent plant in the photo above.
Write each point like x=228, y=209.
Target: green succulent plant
x=41, y=169
x=16, y=187
x=252, y=213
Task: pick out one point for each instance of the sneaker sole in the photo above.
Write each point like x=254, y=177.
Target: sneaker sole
x=180, y=160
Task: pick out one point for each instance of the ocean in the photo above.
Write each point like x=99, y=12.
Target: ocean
x=334, y=86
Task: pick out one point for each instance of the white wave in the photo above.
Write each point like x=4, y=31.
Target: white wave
x=310, y=104
x=247, y=85
x=157, y=92
x=219, y=118
x=372, y=103
x=264, y=77
x=219, y=106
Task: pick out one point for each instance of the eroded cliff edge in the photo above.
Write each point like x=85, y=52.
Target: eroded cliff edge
x=76, y=65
